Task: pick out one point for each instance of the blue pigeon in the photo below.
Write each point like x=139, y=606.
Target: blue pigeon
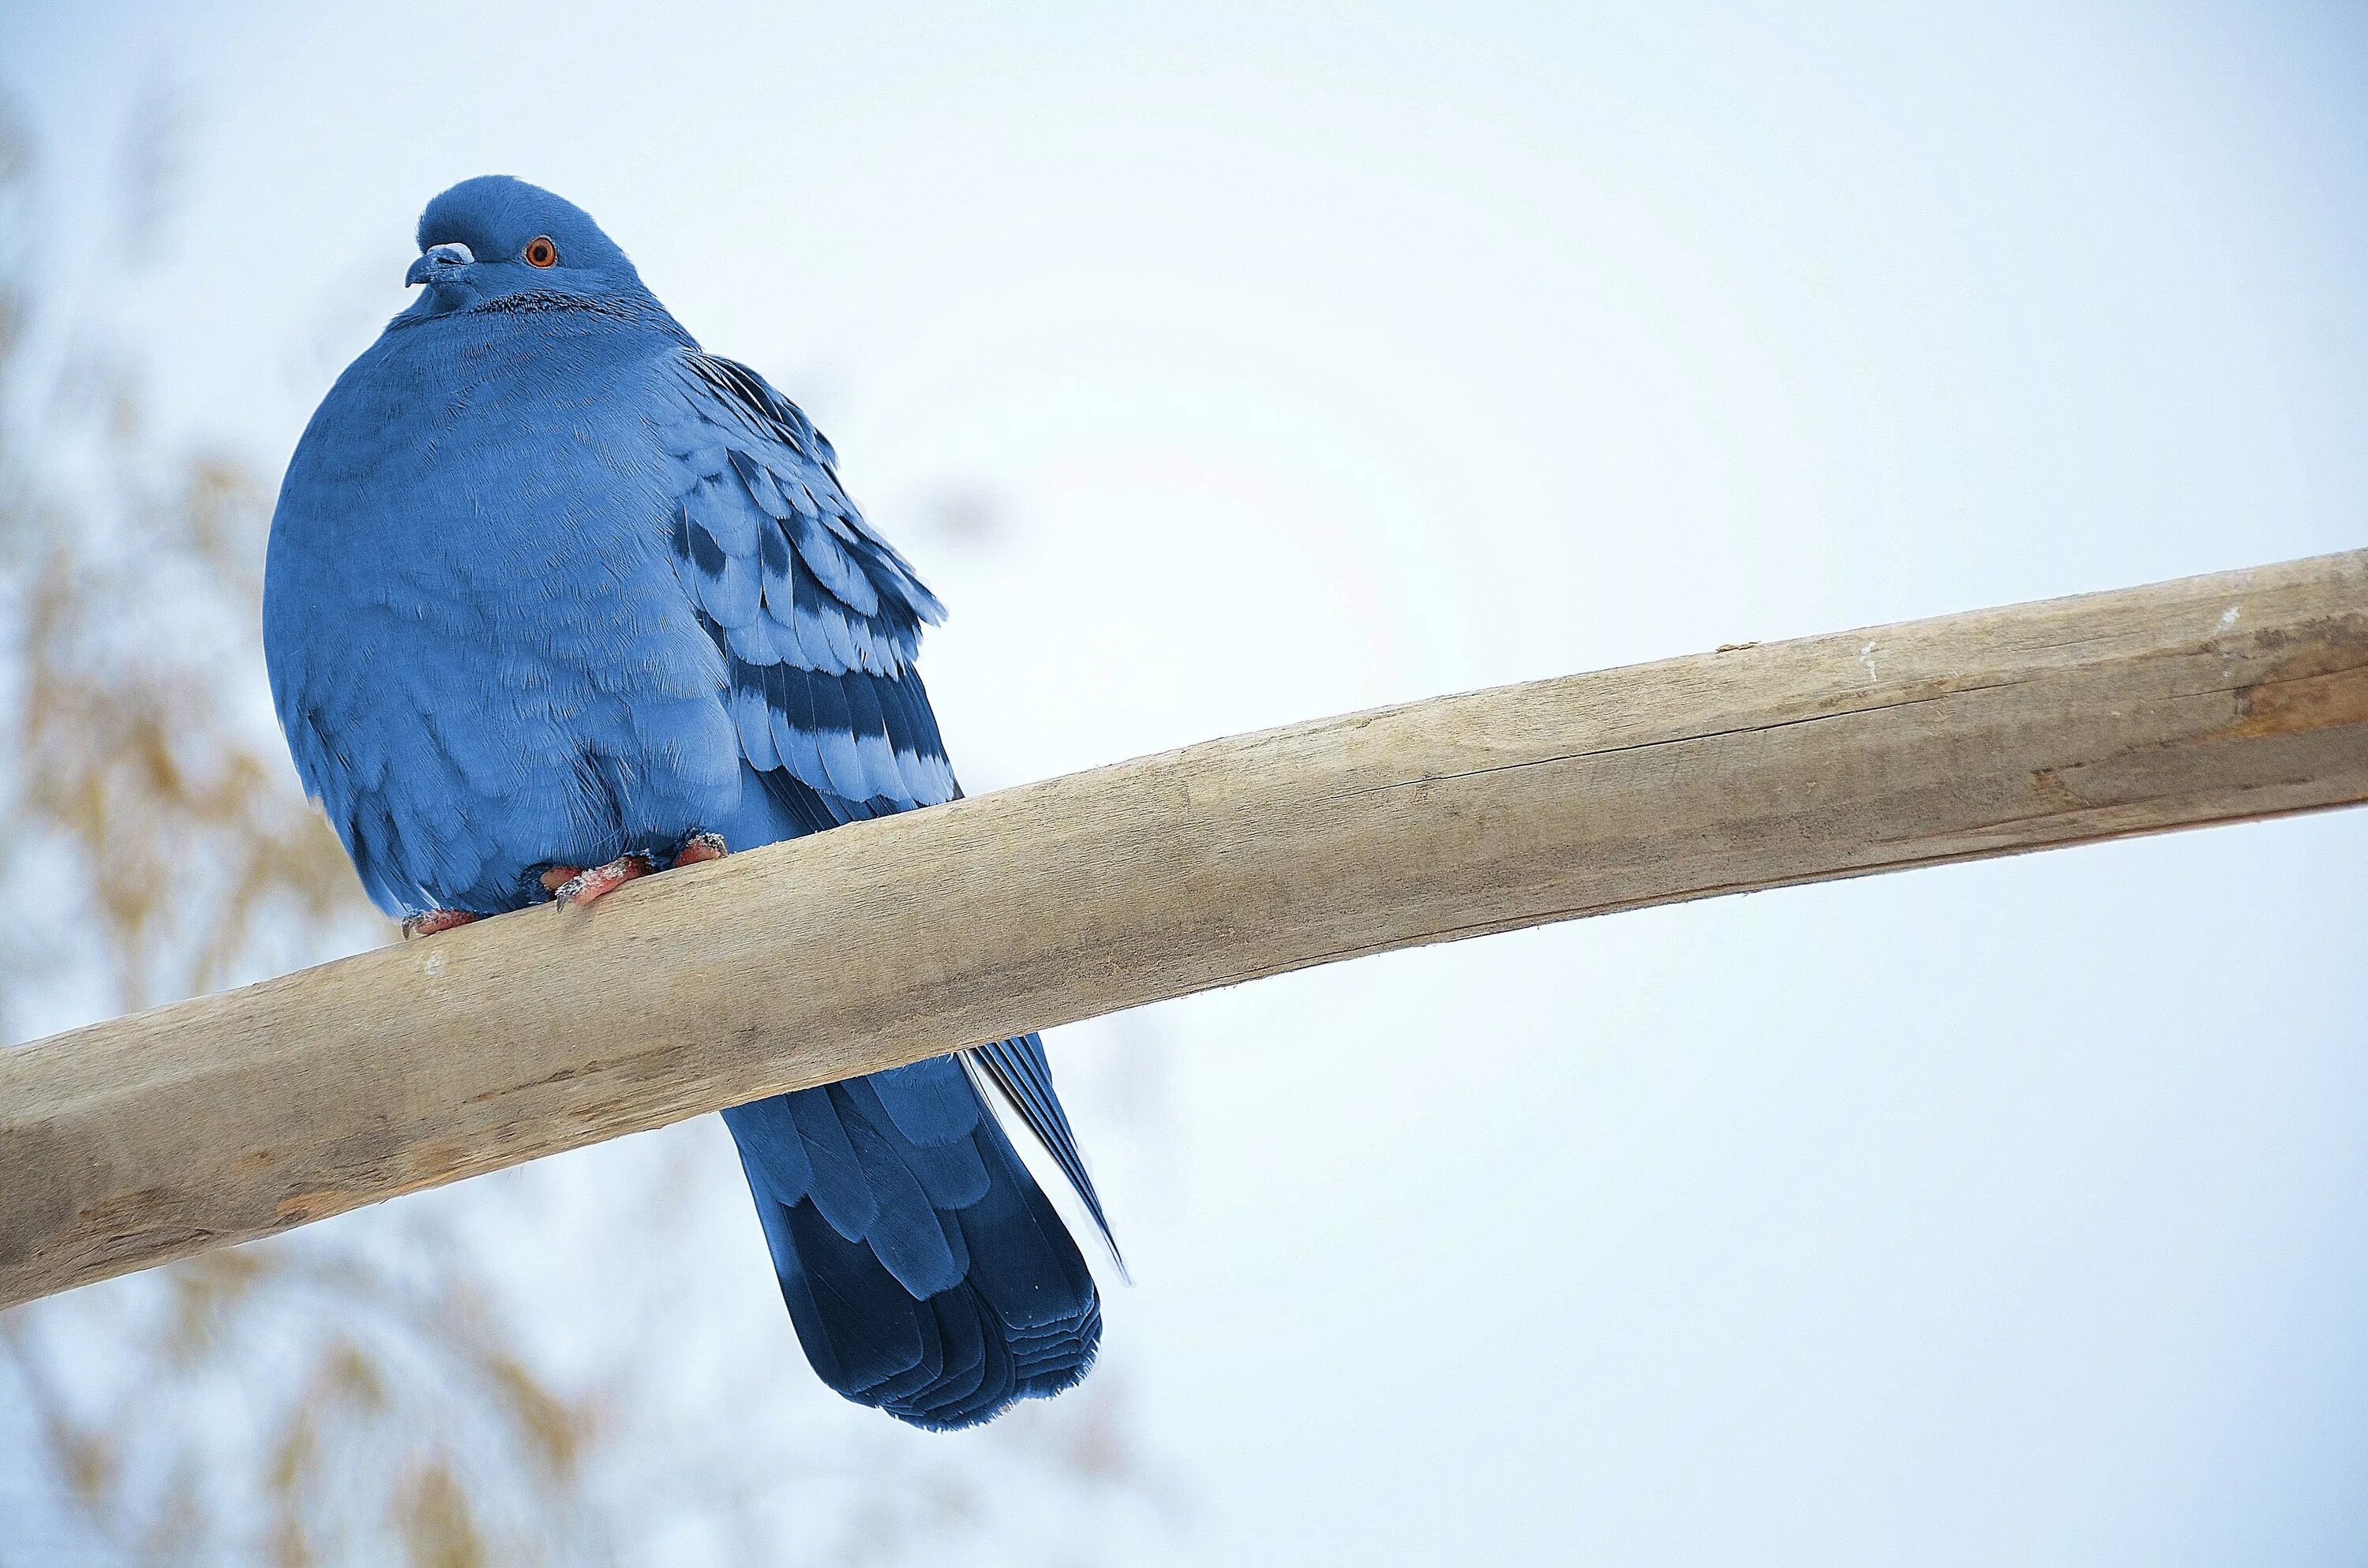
x=554, y=599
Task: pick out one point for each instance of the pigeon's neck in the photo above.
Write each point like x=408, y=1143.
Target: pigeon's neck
x=553, y=308
x=514, y=358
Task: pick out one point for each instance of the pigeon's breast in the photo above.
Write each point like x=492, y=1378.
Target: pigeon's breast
x=479, y=646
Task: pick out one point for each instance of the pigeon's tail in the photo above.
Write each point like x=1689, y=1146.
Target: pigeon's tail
x=926, y=1271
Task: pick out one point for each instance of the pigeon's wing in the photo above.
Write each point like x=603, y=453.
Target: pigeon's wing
x=820, y=622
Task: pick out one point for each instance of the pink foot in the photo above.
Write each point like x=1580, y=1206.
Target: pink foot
x=700, y=848
x=568, y=885
x=435, y=920
x=574, y=884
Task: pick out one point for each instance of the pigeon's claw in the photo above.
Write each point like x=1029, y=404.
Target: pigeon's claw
x=435, y=920
x=570, y=886
x=702, y=847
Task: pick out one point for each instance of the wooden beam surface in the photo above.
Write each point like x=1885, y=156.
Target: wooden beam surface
x=230, y=1116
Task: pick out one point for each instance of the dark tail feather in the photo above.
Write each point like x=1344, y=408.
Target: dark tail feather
x=1018, y=1069
x=926, y=1272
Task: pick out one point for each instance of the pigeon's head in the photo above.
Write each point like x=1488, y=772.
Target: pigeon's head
x=494, y=241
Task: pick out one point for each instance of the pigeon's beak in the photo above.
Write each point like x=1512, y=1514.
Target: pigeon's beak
x=441, y=263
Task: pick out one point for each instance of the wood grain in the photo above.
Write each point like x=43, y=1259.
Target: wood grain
x=229, y=1116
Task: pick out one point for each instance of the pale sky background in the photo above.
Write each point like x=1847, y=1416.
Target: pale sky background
x=1307, y=358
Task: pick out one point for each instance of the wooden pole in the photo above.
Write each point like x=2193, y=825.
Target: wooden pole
x=214, y=1120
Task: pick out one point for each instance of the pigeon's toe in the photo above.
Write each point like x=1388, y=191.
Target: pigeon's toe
x=570, y=886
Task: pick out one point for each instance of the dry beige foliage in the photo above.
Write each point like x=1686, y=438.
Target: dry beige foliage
x=389, y=1405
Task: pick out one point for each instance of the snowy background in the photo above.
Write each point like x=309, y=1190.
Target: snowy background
x=1227, y=365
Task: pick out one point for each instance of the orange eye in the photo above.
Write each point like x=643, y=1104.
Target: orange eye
x=540, y=252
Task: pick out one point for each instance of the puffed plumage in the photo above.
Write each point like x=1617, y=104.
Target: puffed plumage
x=547, y=586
